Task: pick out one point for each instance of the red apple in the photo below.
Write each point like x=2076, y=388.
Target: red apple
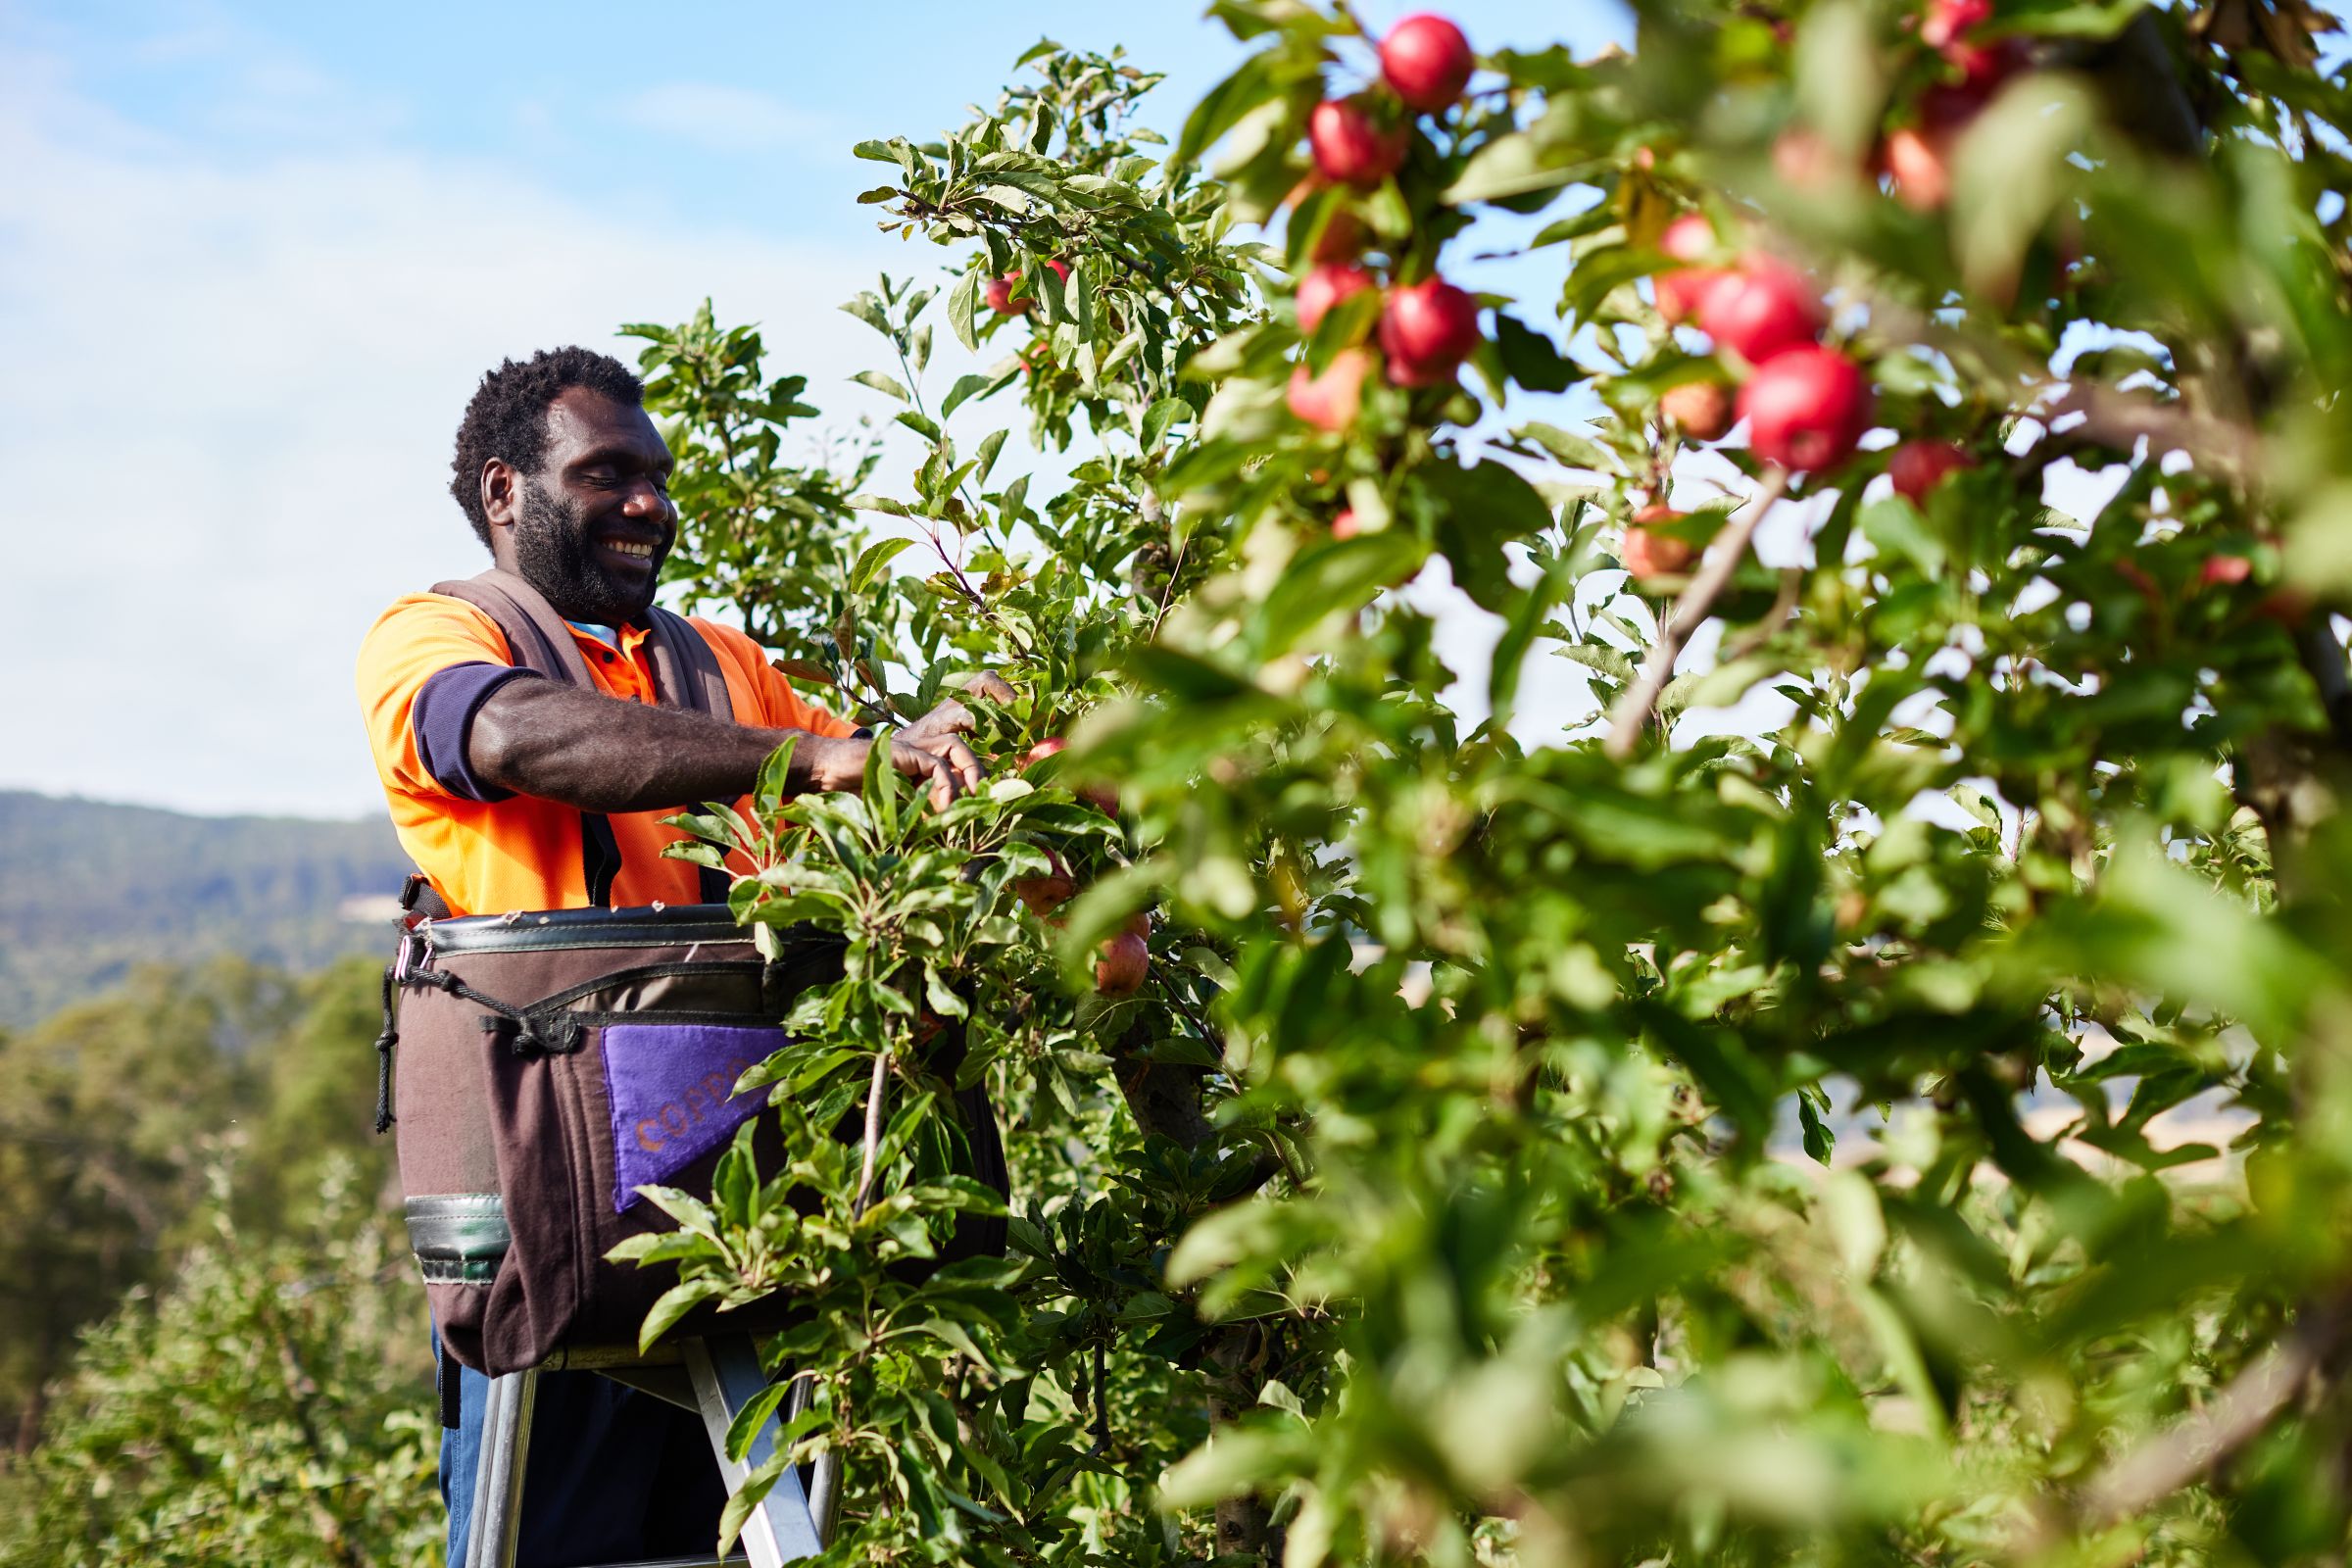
x=2290, y=608
x=1700, y=410
x=1426, y=61
x=1919, y=467
x=1687, y=238
x=1102, y=796
x=1763, y=308
x=1947, y=21
x=1427, y=329
x=1345, y=526
x=1916, y=163
x=1049, y=892
x=1325, y=287
x=999, y=289
x=1944, y=112
x=1806, y=407
x=1647, y=555
x=1681, y=291
x=1342, y=239
x=1806, y=161
x=1349, y=146
x=1983, y=66
x=1125, y=959
x=1330, y=400
x=1343, y=236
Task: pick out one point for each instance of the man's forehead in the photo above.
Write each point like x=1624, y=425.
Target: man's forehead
x=581, y=419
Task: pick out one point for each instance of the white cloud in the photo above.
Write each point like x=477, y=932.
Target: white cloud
x=734, y=119
x=226, y=420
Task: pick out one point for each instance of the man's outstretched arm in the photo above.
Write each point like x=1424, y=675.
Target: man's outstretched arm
x=604, y=753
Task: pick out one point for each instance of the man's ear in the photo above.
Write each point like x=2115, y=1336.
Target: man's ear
x=502, y=492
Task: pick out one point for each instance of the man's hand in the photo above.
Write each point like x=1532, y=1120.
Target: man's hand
x=930, y=750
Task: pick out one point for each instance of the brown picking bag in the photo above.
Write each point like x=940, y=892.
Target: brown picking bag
x=551, y=1063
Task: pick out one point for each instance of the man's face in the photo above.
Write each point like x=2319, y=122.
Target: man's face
x=590, y=529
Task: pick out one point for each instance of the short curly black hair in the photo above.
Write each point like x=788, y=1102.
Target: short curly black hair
x=507, y=417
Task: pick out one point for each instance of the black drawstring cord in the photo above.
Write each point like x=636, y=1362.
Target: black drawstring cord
x=553, y=1035
x=385, y=1042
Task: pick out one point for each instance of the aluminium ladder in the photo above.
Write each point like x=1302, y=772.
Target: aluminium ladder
x=714, y=1377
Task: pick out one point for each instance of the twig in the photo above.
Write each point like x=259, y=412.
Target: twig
x=2194, y=1448
x=1675, y=628
x=873, y=1134
x=1101, y=1403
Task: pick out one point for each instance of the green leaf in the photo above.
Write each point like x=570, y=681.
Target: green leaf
x=1222, y=107
x=964, y=306
x=1331, y=578
x=883, y=385
x=1158, y=418
x=966, y=386
x=673, y=1304
x=873, y=561
x=1483, y=507
x=1519, y=632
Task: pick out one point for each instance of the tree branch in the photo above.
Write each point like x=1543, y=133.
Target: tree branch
x=2192, y=1449
x=873, y=1134
x=1723, y=558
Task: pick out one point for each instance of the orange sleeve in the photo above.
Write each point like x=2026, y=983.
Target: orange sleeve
x=419, y=636
x=761, y=693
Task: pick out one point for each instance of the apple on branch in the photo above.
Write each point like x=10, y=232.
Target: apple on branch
x=999, y=295
x=1331, y=401
x=1427, y=329
x=1680, y=292
x=1919, y=467
x=1349, y=144
x=1324, y=287
x=1764, y=306
x=1700, y=410
x=1102, y=796
x=1806, y=407
x=1049, y=892
x=1125, y=957
x=1426, y=61
x=1647, y=554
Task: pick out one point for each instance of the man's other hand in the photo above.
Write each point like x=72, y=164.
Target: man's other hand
x=930, y=750
x=941, y=731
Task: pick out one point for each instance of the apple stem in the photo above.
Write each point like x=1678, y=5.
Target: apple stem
x=1723, y=558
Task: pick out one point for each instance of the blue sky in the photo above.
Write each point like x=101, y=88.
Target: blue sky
x=253, y=258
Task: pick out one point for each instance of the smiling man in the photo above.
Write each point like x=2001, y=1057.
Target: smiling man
x=512, y=791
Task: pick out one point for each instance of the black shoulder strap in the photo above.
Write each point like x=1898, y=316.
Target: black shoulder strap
x=535, y=634
x=686, y=675
x=686, y=672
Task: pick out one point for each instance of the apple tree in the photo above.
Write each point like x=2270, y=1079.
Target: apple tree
x=1710, y=676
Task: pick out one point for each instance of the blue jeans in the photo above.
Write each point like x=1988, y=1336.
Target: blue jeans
x=611, y=1474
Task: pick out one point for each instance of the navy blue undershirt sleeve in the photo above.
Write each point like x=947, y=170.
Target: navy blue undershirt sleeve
x=442, y=721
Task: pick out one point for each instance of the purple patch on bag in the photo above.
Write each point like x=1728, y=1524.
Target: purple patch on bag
x=667, y=1084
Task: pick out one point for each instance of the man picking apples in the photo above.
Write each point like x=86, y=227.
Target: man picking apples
x=512, y=791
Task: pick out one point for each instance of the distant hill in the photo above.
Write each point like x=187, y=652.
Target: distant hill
x=88, y=890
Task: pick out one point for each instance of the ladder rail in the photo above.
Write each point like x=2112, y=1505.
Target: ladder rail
x=725, y=1372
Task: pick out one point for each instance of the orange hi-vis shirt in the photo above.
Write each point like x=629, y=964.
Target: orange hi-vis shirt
x=425, y=667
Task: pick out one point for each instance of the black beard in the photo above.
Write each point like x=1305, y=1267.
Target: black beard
x=554, y=552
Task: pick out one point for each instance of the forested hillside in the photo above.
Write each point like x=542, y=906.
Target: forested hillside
x=88, y=890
